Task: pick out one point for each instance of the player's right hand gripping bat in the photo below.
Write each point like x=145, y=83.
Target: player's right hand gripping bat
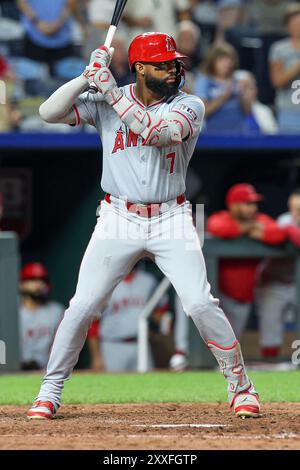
x=119, y=8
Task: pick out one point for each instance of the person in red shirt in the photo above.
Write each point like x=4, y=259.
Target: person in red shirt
x=5, y=71
x=237, y=278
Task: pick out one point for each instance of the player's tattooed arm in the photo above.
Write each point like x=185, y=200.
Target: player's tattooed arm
x=170, y=129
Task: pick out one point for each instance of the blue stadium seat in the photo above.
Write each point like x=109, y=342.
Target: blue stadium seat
x=35, y=76
x=69, y=68
x=28, y=69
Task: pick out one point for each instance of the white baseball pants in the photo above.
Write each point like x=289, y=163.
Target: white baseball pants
x=119, y=240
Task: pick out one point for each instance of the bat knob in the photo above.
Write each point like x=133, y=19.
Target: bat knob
x=93, y=89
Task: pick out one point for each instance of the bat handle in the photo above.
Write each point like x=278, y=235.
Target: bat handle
x=109, y=38
x=110, y=35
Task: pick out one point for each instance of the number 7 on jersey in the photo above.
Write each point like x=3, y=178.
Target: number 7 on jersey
x=172, y=157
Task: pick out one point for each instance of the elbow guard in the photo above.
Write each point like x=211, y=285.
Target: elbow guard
x=163, y=133
x=155, y=130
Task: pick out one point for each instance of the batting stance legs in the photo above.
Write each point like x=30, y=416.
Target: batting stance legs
x=119, y=240
x=110, y=255
x=177, y=252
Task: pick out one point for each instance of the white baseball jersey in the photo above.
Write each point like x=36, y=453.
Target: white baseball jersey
x=37, y=330
x=120, y=319
x=144, y=174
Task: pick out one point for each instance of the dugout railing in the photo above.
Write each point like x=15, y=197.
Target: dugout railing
x=214, y=249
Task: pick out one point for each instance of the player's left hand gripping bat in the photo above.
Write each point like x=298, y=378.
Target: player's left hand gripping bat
x=119, y=8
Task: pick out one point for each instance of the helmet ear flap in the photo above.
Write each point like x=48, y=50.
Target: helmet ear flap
x=180, y=73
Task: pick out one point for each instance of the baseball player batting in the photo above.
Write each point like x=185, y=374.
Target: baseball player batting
x=149, y=131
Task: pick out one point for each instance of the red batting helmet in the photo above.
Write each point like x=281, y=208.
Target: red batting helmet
x=153, y=47
x=34, y=271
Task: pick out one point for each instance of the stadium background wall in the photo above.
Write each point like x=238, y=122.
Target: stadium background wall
x=66, y=189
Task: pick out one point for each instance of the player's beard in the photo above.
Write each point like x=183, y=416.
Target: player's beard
x=161, y=87
x=39, y=297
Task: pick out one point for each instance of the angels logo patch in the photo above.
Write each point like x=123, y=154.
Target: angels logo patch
x=189, y=111
x=170, y=45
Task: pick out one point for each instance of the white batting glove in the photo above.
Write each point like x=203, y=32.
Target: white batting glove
x=106, y=84
x=90, y=71
x=102, y=56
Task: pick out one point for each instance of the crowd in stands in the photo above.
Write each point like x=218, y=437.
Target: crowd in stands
x=244, y=56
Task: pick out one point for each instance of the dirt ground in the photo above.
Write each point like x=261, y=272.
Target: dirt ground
x=152, y=426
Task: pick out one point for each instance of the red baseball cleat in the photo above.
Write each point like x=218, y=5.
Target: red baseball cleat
x=246, y=405
x=42, y=410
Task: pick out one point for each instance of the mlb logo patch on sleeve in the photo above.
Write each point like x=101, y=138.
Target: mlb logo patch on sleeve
x=189, y=111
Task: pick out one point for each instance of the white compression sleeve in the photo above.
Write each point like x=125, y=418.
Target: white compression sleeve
x=164, y=131
x=58, y=106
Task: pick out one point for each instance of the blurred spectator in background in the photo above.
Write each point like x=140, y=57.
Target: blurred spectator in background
x=204, y=14
x=259, y=118
x=155, y=15
x=99, y=14
x=251, y=27
x=238, y=276
x=6, y=73
x=47, y=26
x=11, y=31
x=39, y=317
x=188, y=43
x=113, y=340
x=9, y=115
x=276, y=296
x=225, y=106
x=266, y=16
x=204, y=11
x=231, y=14
x=119, y=65
x=284, y=69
